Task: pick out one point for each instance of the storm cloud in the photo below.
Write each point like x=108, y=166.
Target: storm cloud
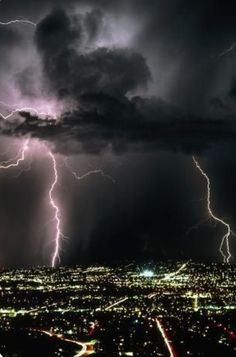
x=72, y=71
x=135, y=87
x=109, y=86
x=104, y=123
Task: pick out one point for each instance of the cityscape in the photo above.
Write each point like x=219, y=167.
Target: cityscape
x=171, y=309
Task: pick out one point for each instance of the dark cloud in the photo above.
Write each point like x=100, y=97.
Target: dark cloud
x=71, y=71
x=99, y=79
x=181, y=42
x=56, y=33
x=103, y=122
x=94, y=22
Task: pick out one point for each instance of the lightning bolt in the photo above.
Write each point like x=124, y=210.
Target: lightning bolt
x=89, y=173
x=23, y=109
x=14, y=163
x=228, y=50
x=57, y=215
x=21, y=157
x=5, y=165
x=225, y=238
x=26, y=168
x=18, y=21
x=93, y=172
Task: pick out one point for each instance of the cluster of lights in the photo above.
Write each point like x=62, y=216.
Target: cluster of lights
x=196, y=300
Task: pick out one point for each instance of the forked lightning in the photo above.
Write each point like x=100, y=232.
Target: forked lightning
x=225, y=239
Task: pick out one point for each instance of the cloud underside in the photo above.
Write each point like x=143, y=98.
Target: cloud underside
x=103, y=123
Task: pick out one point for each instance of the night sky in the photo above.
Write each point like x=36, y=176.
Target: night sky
x=131, y=87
